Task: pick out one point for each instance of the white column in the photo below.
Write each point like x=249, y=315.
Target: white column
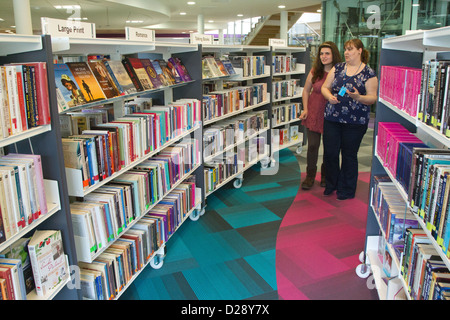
x=221, y=36
x=283, y=25
x=200, y=24
x=22, y=17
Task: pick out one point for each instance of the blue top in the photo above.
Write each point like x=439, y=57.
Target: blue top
x=349, y=110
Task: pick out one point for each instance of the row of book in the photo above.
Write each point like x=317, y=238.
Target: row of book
x=108, y=147
x=129, y=196
x=434, y=102
x=283, y=63
x=425, y=274
x=400, y=86
x=285, y=113
x=390, y=136
x=105, y=277
x=249, y=66
x=285, y=89
x=216, y=67
x=24, y=97
x=22, y=193
x=285, y=136
x=392, y=212
x=37, y=263
x=219, y=103
x=230, y=163
x=78, y=83
x=232, y=131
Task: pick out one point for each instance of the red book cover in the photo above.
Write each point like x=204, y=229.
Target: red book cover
x=5, y=273
x=141, y=73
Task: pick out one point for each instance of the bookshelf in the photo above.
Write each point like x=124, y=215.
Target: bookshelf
x=45, y=141
x=117, y=49
x=252, y=67
x=411, y=50
x=298, y=72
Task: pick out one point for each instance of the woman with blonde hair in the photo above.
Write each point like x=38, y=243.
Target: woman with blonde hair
x=314, y=106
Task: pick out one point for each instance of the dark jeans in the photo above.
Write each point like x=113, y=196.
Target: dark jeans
x=341, y=139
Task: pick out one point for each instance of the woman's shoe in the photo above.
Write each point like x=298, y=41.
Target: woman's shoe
x=308, y=183
x=323, y=183
x=327, y=192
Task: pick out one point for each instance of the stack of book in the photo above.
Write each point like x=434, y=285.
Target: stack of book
x=22, y=193
x=24, y=100
x=283, y=63
x=425, y=274
x=78, y=83
x=219, y=103
x=249, y=66
x=434, y=99
x=285, y=89
x=214, y=67
x=400, y=86
x=286, y=113
x=108, y=147
x=106, y=276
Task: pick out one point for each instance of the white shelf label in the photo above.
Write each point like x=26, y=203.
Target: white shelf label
x=277, y=42
x=197, y=38
x=68, y=28
x=137, y=34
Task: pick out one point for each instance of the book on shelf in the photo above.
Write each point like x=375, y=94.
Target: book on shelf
x=137, y=73
x=181, y=68
x=104, y=79
x=171, y=64
x=86, y=81
x=70, y=93
x=160, y=73
x=228, y=66
x=121, y=76
x=48, y=261
x=168, y=75
x=154, y=77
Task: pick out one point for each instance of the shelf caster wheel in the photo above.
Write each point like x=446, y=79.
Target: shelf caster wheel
x=157, y=262
x=237, y=183
x=361, y=257
x=202, y=211
x=299, y=149
x=265, y=163
x=363, y=271
x=195, y=215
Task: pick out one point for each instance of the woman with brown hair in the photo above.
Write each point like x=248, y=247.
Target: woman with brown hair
x=350, y=89
x=314, y=107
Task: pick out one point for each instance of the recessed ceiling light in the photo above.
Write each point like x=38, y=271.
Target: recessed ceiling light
x=191, y=31
x=319, y=10
x=182, y=13
x=210, y=21
x=191, y=3
x=134, y=21
x=282, y=6
x=2, y=19
x=240, y=15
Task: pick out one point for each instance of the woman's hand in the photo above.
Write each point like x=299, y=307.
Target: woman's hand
x=304, y=115
x=354, y=94
x=333, y=100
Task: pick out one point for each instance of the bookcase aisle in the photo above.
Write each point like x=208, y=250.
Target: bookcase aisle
x=407, y=228
x=111, y=144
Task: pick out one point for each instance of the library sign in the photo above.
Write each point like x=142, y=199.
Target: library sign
x=137, y=34
x=68, y=28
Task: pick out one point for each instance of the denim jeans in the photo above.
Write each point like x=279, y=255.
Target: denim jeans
x=341, y=142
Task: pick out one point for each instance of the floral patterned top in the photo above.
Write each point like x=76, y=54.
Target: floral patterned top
x=349, y=110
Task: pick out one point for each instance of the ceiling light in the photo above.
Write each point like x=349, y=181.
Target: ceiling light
x=191, y=31
x=319, y=10
x=191, y=3
x=282, y=6
x=134, y=21
x=210, y=21
x=2, y=19
x=240, y=15
x=182, y=13
x=416, y=5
